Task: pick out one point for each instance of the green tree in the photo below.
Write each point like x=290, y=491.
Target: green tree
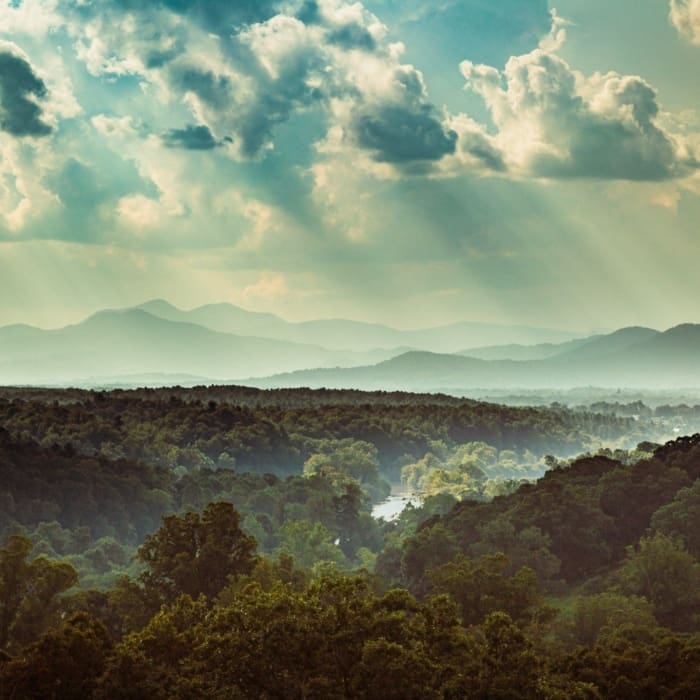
x=308, y=543
x=29, y=590
x=639, y=662
x=356, y=458
x=428, y=549
x=394, y=671
x=510, y=669
x=600, y=614
x=529, y=547
x=681, y=518
x=340, y=460
x=159, y=661
x=668, y=576
x=65, y=663
x=482, y=586
x=195, y=554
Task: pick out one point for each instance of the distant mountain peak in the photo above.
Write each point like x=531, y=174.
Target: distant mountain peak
x=121, y=316
x=155, y=305
x=683, y=329
x=632, y=330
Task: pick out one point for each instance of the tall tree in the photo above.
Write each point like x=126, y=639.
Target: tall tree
x=196, y=554
x=28, y=591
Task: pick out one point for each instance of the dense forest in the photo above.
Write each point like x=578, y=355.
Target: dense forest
x=220, y=542
x=274, y=431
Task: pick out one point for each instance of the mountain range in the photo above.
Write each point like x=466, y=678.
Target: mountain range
x=356, y=336
x=132, y=346
x=629, y=357
x=158, y=344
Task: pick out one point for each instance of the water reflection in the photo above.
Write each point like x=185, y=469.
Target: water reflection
x=391, y=508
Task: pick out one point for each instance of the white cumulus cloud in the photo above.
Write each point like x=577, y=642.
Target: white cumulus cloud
x=555, y=122
x=685, y=16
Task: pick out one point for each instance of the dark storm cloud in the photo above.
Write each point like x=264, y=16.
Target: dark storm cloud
x=404, y=126
x=158, y=57
x=309, y=13
x=484, y=152
x=604, y=149
x=218, y=16
x=83, y=186
x=209, y=87
x=397, y=134
x=192, y=138
x=20, y=91
x=353, y=36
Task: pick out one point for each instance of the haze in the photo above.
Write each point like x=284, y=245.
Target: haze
x=411, y=163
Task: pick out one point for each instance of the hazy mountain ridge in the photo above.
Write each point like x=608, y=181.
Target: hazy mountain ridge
x=344, y=334
x=590, y=347
x=519, y=352
x=141, y=346
x=113, y=344
x=630, y=357
x=609, y=344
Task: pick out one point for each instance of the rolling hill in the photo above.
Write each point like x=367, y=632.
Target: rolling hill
x=519, y=352
x=630, y=357
x=357, y=336
x=134, y=344
x=142, y=347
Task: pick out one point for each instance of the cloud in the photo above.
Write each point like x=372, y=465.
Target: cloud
x=21, y=92
x=89, y=187
x=138, y=212
x=192, y=138
x=476, y=149
x=269, y=287
x=397, y=134
x=219, y=16
x=397, y=124
x=294, y=103
x=29, y=17
x=685, y=17
x=353, y=36
x=244, y=81
x=246, y=68
x=285, y=68
x=555, y=122
x=84, y=186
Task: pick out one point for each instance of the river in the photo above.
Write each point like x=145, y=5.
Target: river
x=391, y=508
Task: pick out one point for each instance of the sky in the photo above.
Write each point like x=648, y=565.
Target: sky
x=410, y=162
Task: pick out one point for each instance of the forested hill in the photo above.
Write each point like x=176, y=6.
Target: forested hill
x=585, y=584
x=89, y=497
x=80, y=466
x=250, y=430
x=575, y=524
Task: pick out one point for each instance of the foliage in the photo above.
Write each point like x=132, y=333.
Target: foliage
x=28, y=592
x=247, y=590
x=65, y=663
x=196, y=554
x=481, y=587
x=668, y=576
